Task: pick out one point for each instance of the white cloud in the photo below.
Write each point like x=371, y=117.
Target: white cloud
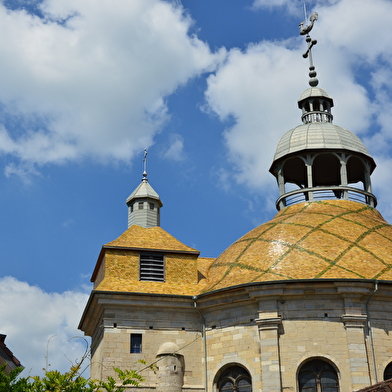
x=175, y=150
x=292, y=6
x=40, y=326
x=258, y=88
x=94, y=85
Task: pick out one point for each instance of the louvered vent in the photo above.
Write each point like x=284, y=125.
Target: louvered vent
x=152, y=267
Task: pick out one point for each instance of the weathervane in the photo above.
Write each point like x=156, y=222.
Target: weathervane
x=313, y=82
x=145, y=165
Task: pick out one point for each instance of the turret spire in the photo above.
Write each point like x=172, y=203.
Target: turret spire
x=145, y=165
x=313, y=82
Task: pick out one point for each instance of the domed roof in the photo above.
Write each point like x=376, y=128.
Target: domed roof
x=332, y=239
x=314, y=92
x=316, y=136
x=168, y=348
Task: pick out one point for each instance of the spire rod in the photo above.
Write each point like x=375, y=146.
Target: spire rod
x=145, y=165
x=313, y=81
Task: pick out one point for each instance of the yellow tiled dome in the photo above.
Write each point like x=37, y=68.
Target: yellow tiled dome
x=332, y=239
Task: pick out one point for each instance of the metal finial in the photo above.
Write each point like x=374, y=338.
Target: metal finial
x=313, y=82
x=145, y=165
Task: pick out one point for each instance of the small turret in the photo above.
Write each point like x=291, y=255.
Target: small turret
x=144, y=203
x=170, y=368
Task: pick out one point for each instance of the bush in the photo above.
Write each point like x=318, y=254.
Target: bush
x=70, y=381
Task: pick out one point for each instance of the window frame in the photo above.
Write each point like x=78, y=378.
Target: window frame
x=234, y=375
x=310, y=368
x=136, y=342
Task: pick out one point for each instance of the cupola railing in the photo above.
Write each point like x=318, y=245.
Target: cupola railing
x=326, y=193
x=314, y=117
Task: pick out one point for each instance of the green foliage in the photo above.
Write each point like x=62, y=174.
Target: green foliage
x=11, y=382
x=70, y=381
x=128, y=377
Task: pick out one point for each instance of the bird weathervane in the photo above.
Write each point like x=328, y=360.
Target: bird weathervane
x=305, y=30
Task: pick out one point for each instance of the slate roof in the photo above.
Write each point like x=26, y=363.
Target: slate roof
x=316, y=136
x=314, y=92
x=144, y=190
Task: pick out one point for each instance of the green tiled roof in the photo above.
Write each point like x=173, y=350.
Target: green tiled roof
x=331, y=239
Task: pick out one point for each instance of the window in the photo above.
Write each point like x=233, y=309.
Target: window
x=235, y=379
x=136, y=343
x=141, y=205
x=318, y=376
x=152, y=206
x=152, y=267
x=388, y=372
x=132, y=207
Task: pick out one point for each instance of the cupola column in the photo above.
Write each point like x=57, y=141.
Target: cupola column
x=343, y=175
x=308, y=164
x=281, y=184
x=367, y=184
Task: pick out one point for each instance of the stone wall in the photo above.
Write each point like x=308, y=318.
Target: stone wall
x=270, y=330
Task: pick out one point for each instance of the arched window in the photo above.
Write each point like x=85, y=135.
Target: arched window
x=355, y=171
x=318, y=376
x=326, y=170
x=388, y=372
x=235, y=379
x=294, y=171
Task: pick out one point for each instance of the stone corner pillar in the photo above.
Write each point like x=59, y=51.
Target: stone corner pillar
x=358, y=359
x=269, y=352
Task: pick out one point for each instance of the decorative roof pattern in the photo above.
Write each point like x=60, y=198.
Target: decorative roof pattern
x=316, y=136
x=122, y=276
x=334, y=239
x=154, y=238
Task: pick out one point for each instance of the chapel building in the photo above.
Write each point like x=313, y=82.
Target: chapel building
x=301, y=303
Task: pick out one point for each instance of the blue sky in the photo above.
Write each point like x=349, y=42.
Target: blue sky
x=208, y=87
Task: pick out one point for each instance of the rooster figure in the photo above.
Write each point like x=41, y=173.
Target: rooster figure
x=305, y=30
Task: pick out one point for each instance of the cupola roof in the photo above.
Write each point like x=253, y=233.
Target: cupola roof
x=320, y=135
x=144, y=190
x=314, y=92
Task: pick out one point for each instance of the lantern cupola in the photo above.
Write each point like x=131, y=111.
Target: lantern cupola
x=319, y=160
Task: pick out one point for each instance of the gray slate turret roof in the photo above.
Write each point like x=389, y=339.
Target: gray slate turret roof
x=316, y=136
x=144, y=190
